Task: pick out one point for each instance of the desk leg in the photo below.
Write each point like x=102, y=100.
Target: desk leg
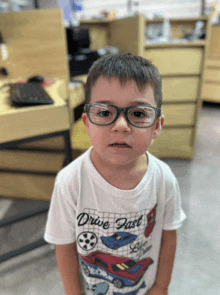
x=22, y=217
x=23, y=250
x=17, y=218
x=68, y=150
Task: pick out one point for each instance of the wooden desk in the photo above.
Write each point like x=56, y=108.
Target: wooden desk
x=36, y=45
x=26, y=124
x=25, y=128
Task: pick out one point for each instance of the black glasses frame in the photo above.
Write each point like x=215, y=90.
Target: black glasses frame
x=121, y=110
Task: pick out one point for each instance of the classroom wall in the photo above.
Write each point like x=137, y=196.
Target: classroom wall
x=150, y=8
x=169, y=8
x=15, y=5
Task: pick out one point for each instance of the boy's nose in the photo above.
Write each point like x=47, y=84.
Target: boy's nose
x=121, y=124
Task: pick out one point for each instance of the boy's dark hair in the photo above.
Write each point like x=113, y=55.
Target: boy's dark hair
x=126, y=67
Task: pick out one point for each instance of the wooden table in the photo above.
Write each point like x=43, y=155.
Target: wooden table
x=26, y=124
x=21, y=123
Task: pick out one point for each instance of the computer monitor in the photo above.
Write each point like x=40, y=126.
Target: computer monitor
x=77, y=39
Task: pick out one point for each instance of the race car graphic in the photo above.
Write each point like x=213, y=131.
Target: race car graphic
x=132, y=292
x=120, y=271
x=151, y=217
x=98, y=289
x=117, y=240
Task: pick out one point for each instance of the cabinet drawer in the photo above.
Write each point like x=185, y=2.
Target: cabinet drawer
x=179, y=115
x=56, y=142
x=178, y=61
x=29, y=187
x=212, y=75
x=180, y=88
x=211, y=92
x=29, y=160
x=173, y=143
x=212, y=62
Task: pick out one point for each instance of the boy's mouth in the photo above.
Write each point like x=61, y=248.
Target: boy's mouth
x=123, y=145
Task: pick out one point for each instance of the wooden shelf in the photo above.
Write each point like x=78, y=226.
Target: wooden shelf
x=95, y=21
x=179, y=20
x=175, y=45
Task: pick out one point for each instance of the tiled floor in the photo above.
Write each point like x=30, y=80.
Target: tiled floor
x=196, y=270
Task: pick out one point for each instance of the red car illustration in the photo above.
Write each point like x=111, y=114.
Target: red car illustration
x=151, y=217
x=120, y=271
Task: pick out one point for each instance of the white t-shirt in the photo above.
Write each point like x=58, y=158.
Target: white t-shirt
x=118, y=232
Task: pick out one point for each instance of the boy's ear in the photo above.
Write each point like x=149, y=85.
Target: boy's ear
x=158, y=126
x=85, y=120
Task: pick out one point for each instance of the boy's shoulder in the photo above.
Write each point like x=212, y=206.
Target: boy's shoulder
x=161, y=168
x=69, y=172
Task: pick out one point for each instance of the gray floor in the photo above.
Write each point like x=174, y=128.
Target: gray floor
x=196, y=270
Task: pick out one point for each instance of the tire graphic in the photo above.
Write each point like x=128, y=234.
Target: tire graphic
x=118, y=283
x=85, y=269
x=87, y=240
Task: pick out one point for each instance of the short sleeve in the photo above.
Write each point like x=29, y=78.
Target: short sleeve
x=60, y=227
x=173, y=213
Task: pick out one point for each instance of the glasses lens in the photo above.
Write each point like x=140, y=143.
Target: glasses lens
x=102, y=114
x=142, y=116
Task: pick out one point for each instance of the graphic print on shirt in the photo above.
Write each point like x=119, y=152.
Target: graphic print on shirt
x=98, y=289
x=87, y=240
x=118, y=239
x=113, y=248
x=119, y=271
x=132, y=292
x=102, y=288
x=151, y=218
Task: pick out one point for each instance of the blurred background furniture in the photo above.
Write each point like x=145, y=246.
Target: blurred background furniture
x=35, y=41
x=211, y=86
x=36, y=45
x=180, y=63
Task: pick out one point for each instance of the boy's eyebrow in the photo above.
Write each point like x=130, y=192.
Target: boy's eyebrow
x=133, y=103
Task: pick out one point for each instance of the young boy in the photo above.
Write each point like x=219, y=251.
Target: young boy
x=115, y=209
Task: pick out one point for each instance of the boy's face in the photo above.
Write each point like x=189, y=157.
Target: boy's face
x=137, y=140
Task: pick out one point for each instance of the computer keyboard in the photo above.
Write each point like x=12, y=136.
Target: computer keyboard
x=29, y=94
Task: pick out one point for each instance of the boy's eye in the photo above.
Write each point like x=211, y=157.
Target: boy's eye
x=100, y=111
x=138, y=114
x=143, y=113
x=103, y=113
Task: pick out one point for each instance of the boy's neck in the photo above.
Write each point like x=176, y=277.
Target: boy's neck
x=123, y=177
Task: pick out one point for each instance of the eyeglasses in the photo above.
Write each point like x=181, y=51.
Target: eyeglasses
x=104, y=114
